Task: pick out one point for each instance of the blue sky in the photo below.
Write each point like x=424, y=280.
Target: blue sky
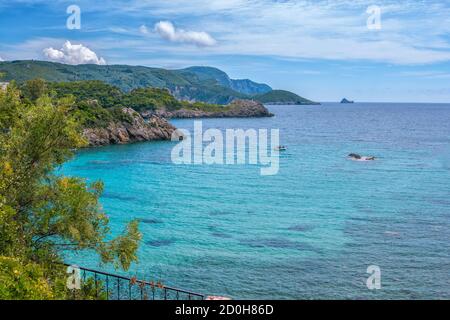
x=321, y=49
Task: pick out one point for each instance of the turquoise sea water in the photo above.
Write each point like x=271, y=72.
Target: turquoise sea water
x=309, y=232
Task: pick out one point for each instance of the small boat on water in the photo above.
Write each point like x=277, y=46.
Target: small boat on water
x=280, y=148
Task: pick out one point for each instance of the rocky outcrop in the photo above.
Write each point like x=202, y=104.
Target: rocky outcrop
x=237, y=109
x=136, y=129
x=345, y=100
x=357, y=157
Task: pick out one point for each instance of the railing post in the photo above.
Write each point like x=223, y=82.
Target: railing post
x=118, y=288
x=96, y=289
x=107, y=287
x=129, y=290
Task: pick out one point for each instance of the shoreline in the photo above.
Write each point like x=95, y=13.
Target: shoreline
x=154, y=125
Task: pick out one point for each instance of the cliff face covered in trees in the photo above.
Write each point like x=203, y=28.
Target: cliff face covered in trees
x=111, y=116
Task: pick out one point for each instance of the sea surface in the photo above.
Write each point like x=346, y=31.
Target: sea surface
x=309, y=232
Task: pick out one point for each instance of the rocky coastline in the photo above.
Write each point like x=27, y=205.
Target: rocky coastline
x=237, y=109
x=153, y=126
x=137, y=129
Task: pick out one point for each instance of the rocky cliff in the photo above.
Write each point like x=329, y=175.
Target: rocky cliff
x=244, y=86
x=136, y=129
x=237, y=109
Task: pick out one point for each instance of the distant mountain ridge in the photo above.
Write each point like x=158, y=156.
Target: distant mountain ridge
x=204, y=84
x=244, y=86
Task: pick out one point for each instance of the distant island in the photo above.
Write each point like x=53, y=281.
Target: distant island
x=347, y=101
x=194, y=84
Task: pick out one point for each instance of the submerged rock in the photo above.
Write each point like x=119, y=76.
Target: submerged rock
x=354, y=155
x=136, y=129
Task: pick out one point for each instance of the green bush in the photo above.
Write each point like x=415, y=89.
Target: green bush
x=21, y=280
x=104, y=94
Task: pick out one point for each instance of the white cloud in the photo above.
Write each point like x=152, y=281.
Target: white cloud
x=73, y=54
x=413, y=32
x=143, y=29
x=1, y=59
x=168, y=31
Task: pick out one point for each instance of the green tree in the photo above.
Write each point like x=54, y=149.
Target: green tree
x=23, y=280
x=34, y=89
x=41, y=213
x=104, y=94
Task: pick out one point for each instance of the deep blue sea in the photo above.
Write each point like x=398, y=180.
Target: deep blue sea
x=309, y=232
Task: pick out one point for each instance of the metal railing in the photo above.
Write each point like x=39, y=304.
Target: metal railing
x=115, y=287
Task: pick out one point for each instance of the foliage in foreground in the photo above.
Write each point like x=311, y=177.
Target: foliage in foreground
x=42, y=214
x=24, y=281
